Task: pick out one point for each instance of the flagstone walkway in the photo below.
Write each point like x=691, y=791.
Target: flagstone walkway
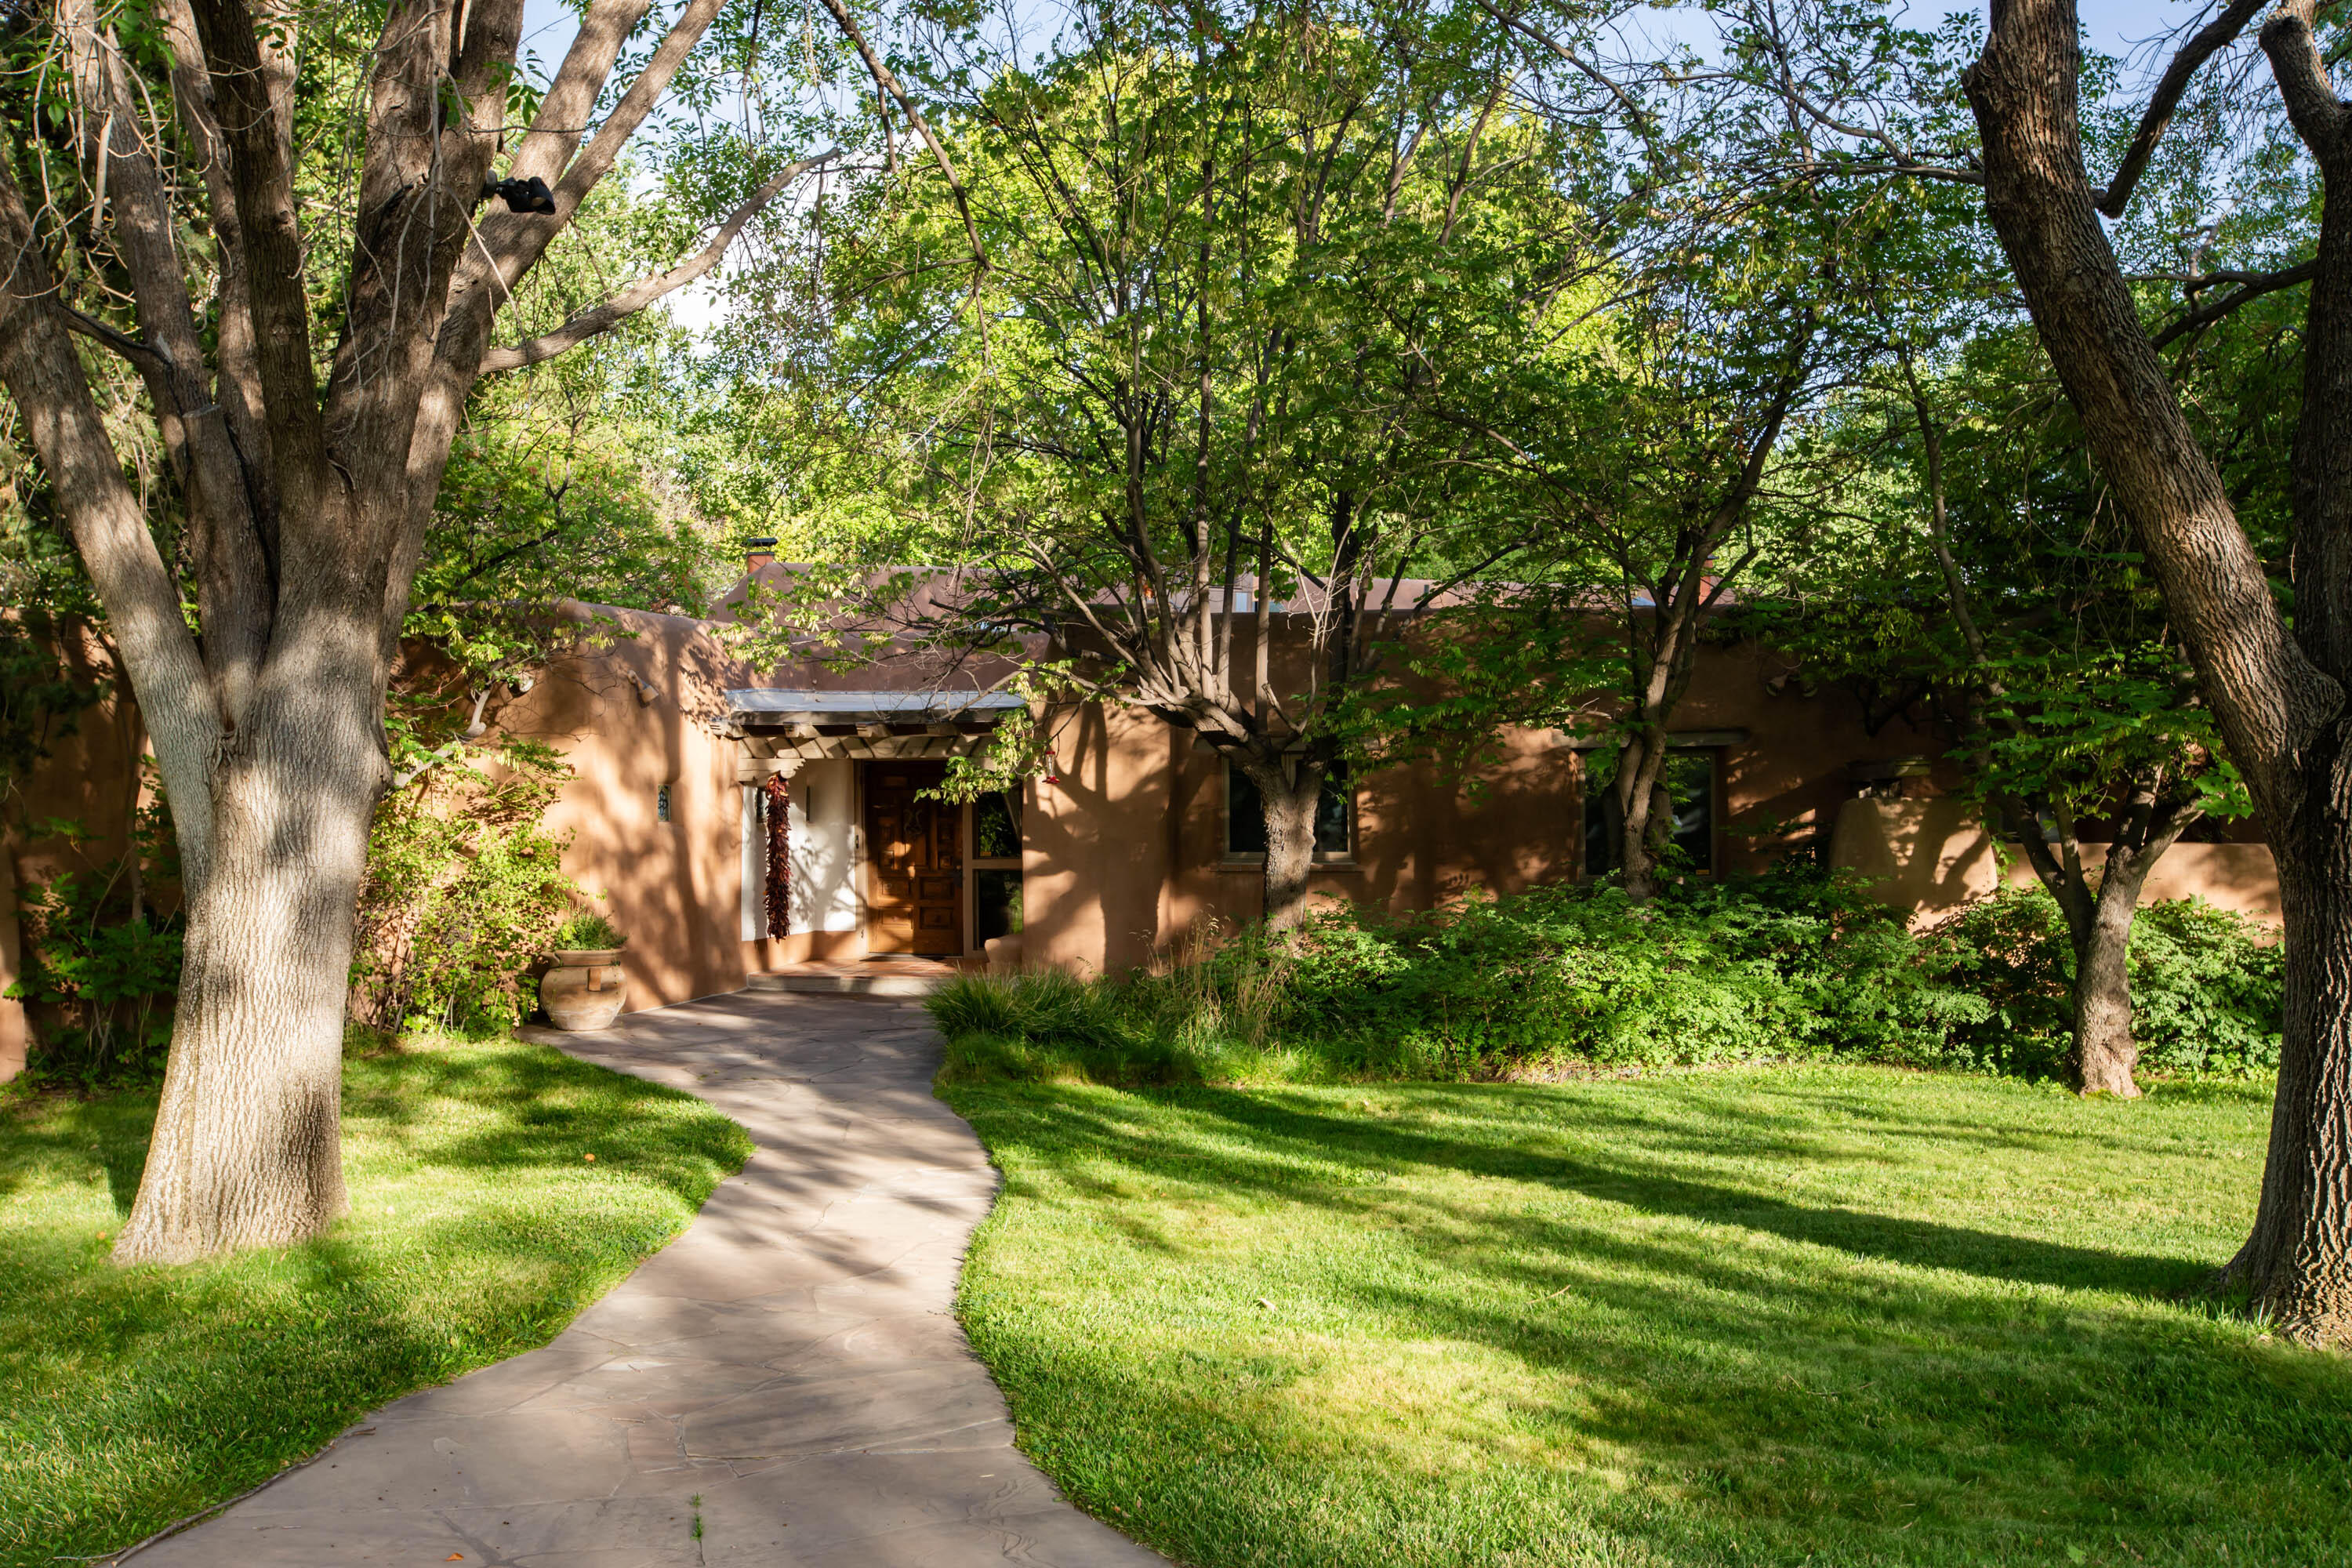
x=784, y=1384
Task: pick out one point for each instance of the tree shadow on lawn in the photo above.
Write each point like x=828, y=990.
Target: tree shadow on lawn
x=1720, y=1372
x=134, y=1396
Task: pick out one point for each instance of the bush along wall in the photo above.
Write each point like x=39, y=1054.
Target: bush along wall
x=465, y=891
x=1795, y=963
x=2205, y=986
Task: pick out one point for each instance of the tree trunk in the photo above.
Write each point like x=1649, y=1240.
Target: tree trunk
x=1643, y=808
x=2280, y=707
x=1288, y=797
x=2104, y=1051
x=2297, y=1263
x=245, y=1150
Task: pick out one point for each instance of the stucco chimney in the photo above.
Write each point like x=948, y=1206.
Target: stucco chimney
x=759, y=552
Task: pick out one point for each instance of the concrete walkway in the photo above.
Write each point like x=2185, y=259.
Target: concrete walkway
x=792, y=1360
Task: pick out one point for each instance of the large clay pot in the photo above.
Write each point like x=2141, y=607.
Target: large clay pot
x=584, y=989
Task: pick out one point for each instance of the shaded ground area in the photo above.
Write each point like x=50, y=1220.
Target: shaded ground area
x=784, y=1384
x=130, y=1398
x=1836, y=1316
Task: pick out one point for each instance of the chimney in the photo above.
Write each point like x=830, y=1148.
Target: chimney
x=759, y=552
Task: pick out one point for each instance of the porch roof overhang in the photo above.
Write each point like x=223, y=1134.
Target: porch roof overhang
x=778, y=728
x=782, y=706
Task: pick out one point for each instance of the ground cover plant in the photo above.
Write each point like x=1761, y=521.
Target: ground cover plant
x=497, y=1187
x=1793, y=964
x=1831, y=1314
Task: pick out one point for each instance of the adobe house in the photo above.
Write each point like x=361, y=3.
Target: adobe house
x=1136, y=836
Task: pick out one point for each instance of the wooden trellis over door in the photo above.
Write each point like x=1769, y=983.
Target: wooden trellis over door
x=914, y=862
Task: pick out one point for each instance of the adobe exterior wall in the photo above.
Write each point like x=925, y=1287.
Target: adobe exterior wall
x=1126, y=854
x=91, y=777
x=632, y=718
x=1096, y=844
x=1932, y=856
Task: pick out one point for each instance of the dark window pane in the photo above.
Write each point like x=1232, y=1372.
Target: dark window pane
x=1245, y=815
x=996, y=827
x=996, y=901
x=1332, y=812
x=1690, y=784
x=1689, y=778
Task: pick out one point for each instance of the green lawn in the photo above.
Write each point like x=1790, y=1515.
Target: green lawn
x=1837, y=1315
x=479, y=1228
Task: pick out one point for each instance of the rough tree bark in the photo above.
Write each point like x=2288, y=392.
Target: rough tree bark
x=2106, y=1054
x=1290, y=791
x=2279, y=697
x=307, y=504
x=1642, y=806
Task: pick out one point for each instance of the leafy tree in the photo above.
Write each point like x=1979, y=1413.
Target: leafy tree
x=1182, y=419
x=2276, y=681
x=1992, y=584
x=275, y=227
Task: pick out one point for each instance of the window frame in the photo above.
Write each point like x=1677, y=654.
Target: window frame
x=1344, y=856
x=1712, y=753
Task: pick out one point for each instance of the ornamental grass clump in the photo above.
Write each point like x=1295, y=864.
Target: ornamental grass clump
x=588, y=931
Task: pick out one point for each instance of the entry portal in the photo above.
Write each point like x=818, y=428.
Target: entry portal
x=914, y=862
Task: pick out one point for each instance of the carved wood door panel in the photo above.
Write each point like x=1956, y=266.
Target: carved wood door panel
x=914, y=862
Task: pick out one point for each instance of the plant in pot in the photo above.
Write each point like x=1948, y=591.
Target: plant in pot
x=583, y=987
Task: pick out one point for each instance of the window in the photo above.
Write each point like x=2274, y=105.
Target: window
x=1689, y=778
x=996, y=827
x=996, y=866
x=661, y=803
x=1335, y=814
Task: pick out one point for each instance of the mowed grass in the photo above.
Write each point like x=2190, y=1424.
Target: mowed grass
x=1837, y=1315
x=478, y=1228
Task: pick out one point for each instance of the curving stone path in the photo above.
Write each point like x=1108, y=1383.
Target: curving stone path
x=792, y=1360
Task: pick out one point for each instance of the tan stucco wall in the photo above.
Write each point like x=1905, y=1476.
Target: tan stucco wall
x=91, y=777
x=1127, y=853
x=675, y=888
x=1934, y=856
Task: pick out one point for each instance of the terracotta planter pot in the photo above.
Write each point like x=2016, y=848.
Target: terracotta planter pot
x=584, y=989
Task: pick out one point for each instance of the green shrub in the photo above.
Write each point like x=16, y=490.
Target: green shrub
x=465, y=891
x=100, y=979
x=2205, y=986
x=1794, y=964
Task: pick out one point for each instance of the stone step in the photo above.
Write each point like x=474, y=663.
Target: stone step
x=856, y=980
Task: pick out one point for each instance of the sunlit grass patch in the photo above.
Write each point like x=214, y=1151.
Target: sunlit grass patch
x=1836, y=1315
x=479, y=1228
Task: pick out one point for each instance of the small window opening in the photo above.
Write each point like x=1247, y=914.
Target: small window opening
x=661, y=803
x=1335, y=814
x=1689, y=778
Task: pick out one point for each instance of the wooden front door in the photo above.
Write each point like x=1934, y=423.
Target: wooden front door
x=914, y=862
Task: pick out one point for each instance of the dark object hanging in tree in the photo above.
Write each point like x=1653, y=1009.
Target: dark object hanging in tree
x=529, y=195
x=779, y=791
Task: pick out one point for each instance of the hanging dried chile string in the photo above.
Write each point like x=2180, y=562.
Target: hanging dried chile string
x=779, y=791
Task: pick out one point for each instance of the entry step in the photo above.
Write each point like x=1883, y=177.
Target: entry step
x=878, y=977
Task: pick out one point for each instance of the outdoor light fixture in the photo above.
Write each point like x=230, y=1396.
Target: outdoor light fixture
x=529, y=195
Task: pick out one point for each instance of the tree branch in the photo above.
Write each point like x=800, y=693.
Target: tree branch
x=2256, y=286
x=2211, y=39
x=889, y=84
x=233, y=590
x=620, y=306
x=44, y=378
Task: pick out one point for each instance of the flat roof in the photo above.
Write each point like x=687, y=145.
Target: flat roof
x=788, y=705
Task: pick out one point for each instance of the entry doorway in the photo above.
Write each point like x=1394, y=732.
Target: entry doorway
x=914, y=862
